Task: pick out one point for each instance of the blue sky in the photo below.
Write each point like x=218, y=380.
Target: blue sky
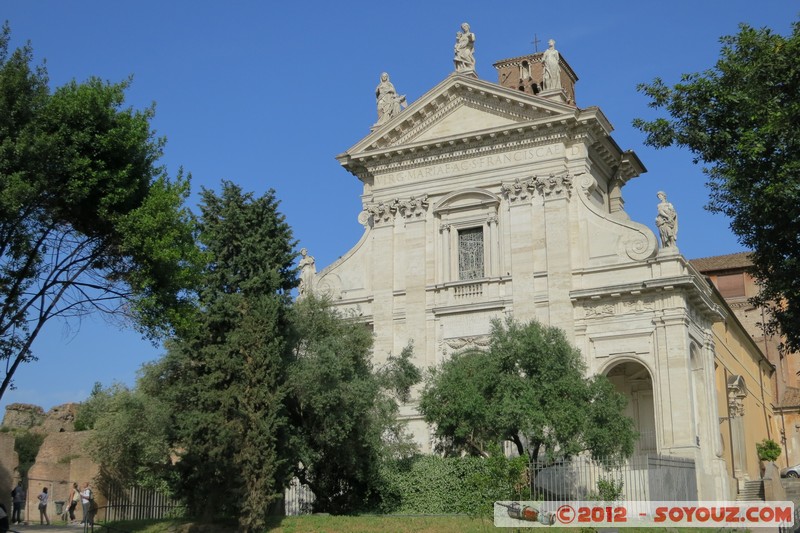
x=266, y=94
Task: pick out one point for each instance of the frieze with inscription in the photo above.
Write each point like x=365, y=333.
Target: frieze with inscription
x=468, y=165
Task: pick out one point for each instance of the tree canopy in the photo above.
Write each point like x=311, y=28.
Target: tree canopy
x=88, y=220
x=740, y=118
x=255, y=388
x=529, y=388
x=224, y=378
x=344, y=411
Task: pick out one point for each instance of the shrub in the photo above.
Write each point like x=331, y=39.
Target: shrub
x=27, y=445
x=464, y=485
x=768, y=450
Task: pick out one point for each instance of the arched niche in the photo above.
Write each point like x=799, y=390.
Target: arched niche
x=632, y=379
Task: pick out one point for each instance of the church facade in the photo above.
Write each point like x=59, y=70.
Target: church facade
x=483, y=200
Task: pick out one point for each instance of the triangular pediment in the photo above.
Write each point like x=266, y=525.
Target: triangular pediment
x=460, y=106
x=463, y=118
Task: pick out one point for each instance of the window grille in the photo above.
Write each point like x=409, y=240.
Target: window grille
x=470, y=253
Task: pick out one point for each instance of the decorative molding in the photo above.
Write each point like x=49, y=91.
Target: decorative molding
x=474, y=341
x=416, y=206
x=518, y=190
x=384, y=212
x=737, y=392
x=637, y=306
x=624, y=307
x=553, y=187
x=458, y=95
x=599, y=310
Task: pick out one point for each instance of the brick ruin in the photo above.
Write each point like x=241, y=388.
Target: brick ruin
x=61, y=461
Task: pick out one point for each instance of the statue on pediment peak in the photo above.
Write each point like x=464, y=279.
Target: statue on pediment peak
x=464, y=50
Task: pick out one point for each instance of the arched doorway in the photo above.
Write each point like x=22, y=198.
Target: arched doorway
x=633, y=380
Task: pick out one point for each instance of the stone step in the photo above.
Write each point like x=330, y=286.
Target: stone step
x=752, y=491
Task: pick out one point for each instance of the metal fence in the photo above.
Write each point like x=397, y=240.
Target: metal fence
x=297, y=499
x=640, y=478
x=134, y=503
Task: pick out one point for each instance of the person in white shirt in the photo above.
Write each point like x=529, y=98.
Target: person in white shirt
x=86, y=496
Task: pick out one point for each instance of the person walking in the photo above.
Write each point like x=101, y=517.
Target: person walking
x=43, y=507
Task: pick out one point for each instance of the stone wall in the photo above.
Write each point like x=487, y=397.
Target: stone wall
x=61, y=460
x=23, y=416
x=8, y=467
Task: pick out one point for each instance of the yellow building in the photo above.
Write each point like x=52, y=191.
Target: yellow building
x=729, y=274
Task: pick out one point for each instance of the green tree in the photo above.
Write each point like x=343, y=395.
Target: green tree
x=131, y=437
x=223, y=379
x=740, y=118
x=27, y=444
x=344, y=412
x=529, y=388
x=88, y=221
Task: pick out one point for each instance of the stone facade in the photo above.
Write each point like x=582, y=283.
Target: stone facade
x=481, y=200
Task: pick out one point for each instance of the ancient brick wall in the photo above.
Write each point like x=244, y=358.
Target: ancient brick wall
x=61, y=460
x=23, y=416
x=8, y=468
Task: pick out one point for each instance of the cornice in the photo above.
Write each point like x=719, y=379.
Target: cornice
x=537, y=122
x=693, y=288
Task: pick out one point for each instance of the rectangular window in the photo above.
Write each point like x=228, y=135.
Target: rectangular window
x=470, y=254
x=731, y=285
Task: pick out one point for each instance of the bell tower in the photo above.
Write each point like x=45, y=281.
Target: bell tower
x=526, y=73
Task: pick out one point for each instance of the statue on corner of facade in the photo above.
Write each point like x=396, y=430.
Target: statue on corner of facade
x=551, y=77
x=464, y=50
x=308, y=270
x=389, y=102
x=667, y=221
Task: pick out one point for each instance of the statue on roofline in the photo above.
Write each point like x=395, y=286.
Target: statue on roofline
x=465, y=50
x=389, y=102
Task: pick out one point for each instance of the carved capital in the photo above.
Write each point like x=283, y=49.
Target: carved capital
x=414, y=206
x=518, y=190
x=554, y=186
x=383, y=212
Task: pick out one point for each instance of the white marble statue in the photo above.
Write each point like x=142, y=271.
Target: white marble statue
x=551, y=78
x=308, y=270
x=667, y=221
x=465, y=50
x=389, y=102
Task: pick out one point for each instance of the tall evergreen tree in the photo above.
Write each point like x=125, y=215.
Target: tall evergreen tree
x=225, y=377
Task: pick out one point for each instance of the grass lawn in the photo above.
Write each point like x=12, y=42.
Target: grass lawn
x=326, y=524
x=357, y=524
